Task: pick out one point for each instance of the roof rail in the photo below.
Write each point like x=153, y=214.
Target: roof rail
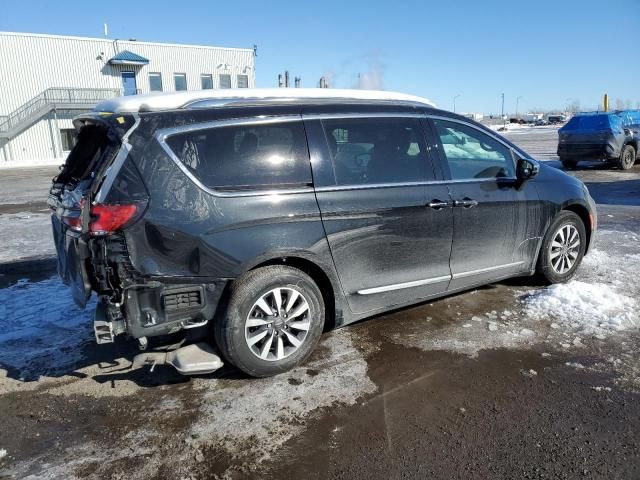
x=187, y=99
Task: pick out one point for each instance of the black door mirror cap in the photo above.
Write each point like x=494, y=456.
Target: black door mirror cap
x=526, y=169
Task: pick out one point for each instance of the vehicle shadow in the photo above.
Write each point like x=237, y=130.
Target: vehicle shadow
x=585, y=165
x=623, y=192
x=111, y=363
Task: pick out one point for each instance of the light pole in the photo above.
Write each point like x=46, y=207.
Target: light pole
x=517, y=102
x=454, y=103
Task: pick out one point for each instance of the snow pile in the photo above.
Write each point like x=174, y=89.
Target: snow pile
x=590, y=307
x=41, y=329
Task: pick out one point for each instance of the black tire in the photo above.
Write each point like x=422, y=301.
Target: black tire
x=547, y=266
x=627, y=157
x=569, y=164
x=229, y=327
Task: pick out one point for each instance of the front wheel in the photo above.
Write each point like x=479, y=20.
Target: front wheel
x=273, y=320
x=627, y=157
x=562, y=248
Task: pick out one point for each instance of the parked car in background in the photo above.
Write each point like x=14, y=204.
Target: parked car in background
x=607, y=137
x=247, y=222
x=556, y=119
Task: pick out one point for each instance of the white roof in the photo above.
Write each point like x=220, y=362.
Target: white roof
x=175, y=100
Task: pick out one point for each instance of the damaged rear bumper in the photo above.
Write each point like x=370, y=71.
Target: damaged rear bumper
x=587, y=151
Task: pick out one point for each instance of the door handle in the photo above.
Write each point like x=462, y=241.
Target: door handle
x=438, y=204
x=466, y=202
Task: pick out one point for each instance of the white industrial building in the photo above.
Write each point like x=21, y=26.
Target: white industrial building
x=46, y=80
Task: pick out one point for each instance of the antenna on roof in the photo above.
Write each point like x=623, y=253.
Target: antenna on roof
x=106, y=30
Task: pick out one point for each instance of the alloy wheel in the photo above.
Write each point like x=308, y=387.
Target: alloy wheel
x=565, y=248
x=277, y=324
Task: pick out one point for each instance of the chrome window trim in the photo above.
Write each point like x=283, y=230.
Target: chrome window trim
x=479, y=271
x=366, y=186
x=399, y=286
x=113, y=169
x=161, y=137
x=331, y=116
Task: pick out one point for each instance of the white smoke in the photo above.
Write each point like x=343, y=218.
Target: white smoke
x=373, y=78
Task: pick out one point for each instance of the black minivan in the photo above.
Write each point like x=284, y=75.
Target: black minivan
x=244, y=223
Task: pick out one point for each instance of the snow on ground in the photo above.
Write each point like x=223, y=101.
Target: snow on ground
x=35, y=238
x=278, y=405
x=599, y=303
x=3, y=453
x=42, y=332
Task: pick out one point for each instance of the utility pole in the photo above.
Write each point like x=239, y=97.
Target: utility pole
x=517, y=101
x=454, y=102
x=502, y=110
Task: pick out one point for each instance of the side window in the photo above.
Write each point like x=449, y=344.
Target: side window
x=472, y=154
x=377, y=150
x=246, y=156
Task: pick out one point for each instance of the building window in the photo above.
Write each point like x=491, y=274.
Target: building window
x=68, y=138
x=180, y=81
x=243, y=81
x=155, y=82
x=225, y=80
x=206, y=81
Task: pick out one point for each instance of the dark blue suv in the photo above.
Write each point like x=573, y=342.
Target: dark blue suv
x=608, y=137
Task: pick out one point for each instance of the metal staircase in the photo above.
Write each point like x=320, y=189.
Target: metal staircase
x=54, y=98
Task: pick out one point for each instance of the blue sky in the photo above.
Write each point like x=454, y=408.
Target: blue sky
x=548, y=52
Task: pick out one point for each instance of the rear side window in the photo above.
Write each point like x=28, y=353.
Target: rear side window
x=588, y=123
x=377, y=150
x=246, y=156
x=473, y=154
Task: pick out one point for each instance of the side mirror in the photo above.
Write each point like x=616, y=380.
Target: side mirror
x=526, y=169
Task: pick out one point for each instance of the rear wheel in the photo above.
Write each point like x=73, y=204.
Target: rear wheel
x=627, y=157
x=562, y=248
x=273, y=321
x=568, y=164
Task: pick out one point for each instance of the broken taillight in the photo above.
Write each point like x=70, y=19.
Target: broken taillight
x=108, y=218
x=73, y=220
